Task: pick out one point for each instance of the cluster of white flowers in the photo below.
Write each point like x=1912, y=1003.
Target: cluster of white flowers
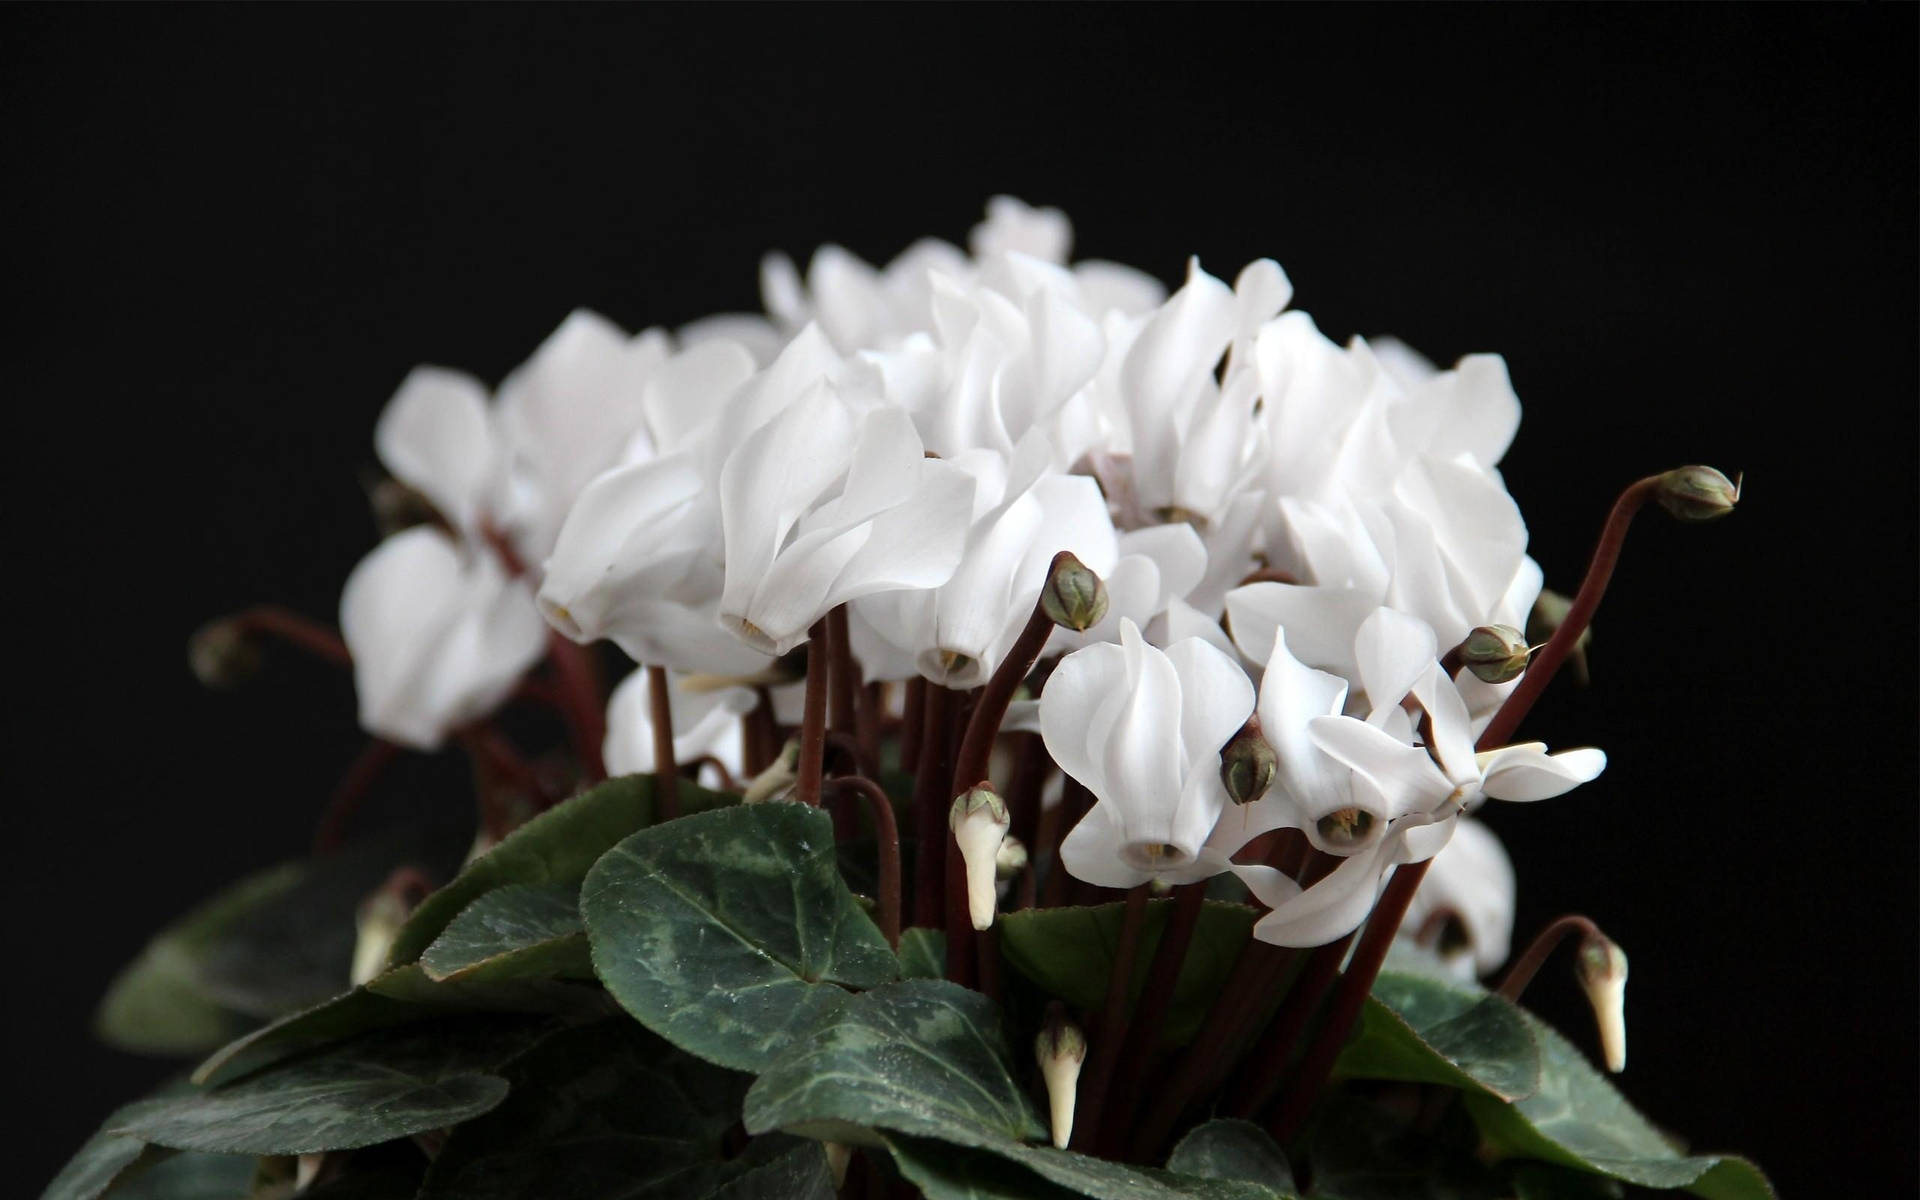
x=1285, y=526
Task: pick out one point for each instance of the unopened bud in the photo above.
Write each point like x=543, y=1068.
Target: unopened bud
x=839, y=1157
x=1074, y=597
x=1060, y=1049
x=1247, y=764
x=1494, y=653
x=378, y=920
x=979, y=823
x=1602, y=969
x=780, y=775
x=222, y=655
x=1011, y=859
x=1697, y=493
x=1549, y=611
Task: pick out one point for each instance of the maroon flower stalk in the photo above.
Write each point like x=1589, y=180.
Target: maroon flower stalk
x=813, y=720
x=887, y=835
x=666, y=772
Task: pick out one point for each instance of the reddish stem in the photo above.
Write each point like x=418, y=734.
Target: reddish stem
x=1261, y=1077
x=351, y=792
x=887, y=835
x=1113, y=1024
x=666, y=772
x=846, y=684
x=1149, y=1023
x=579, y=684
x=1524, y=968
x=813, y=720
x=274, y=621
x=976, y=749
x=912, y=724
x=930, y=805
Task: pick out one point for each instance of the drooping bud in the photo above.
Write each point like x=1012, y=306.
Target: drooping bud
x=222, y=655
x=1011, y=858
x=979, y=822
x=1602, y=970
x=1697, y=493
x=839, y=1157
x=1549, y=611
x=1247, y=764
x=1074, y=597
x=1060, y=1049
x=781, y=774
x=1494, y=653
x=377, y=922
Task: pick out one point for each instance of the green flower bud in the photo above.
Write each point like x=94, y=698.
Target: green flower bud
x=1074, y=597
x=222, y=655
x=1697, y=493
x=1247, y=764
x=1548, y=613
x=1494, y=653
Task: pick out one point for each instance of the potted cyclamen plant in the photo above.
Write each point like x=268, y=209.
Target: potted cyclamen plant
x=1052, y=770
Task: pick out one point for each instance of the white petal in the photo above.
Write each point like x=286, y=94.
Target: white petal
x=1076, y=691
x=1393, y=650
x=1091, y=852
x=436, y=436
x=1407, y=779
x=703, y=723
x=1321, y=622
x=1526, y=772
x=1216, y=698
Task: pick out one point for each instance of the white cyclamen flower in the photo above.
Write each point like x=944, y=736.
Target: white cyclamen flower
x=1470, y=887
x=439, y=635
x=1141, y=729
x=823, y=505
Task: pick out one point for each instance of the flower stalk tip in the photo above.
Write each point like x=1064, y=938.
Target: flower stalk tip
x=1602, y=971
x=1060, y=1049
x=979, y=822
x=222, y=656
x=1697, y=493
x=1074, y=597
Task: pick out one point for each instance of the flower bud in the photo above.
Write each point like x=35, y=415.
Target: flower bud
x=377, y=922
x=1074, y=597
x=781, y=774
x=222, y=655
x=839, y=1158
x=1494, y=653
x=979, y=822
x=1602, y=969
x=1060, y=1049
x=1011, y=859
x=1247, y=764
x=1697, y=493
x=1545, y=619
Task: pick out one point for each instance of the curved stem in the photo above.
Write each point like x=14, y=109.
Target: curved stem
x=351, y=792
x=887, y=834
x=1524, y=968
x=271, y=620
x=970, y=765
x=666, y=772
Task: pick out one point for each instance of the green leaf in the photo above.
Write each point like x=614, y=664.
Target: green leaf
x=1069, y=953
x=401, y=996
x=1230, y=1149
x=521, y=931
x=1420, y=1029
x=1361, y=1149
x=273, y=943
x=726, y=932
x=383, y=1085
x=1577, y=1119
x=558, y=846
x=800, y=1173
x=947, y=1172
x=603, y=1110
x=923, y=954
x=102, y=1159
x=191, y=1177
x=922, y=1057
x=926, y=1058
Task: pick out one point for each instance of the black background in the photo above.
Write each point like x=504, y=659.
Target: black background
x=230, y=232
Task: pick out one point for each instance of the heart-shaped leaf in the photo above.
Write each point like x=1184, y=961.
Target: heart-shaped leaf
x=520, y=931
x=382, y=1085
x=1577, y=1119
x=926, y=1058
x=1069, y=953
x=1421, y=1029
x=1230, y=1149
x=191, y=1177
x=728, y=932
x=558, y=846
x=923, y=954
x=611, y=1111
